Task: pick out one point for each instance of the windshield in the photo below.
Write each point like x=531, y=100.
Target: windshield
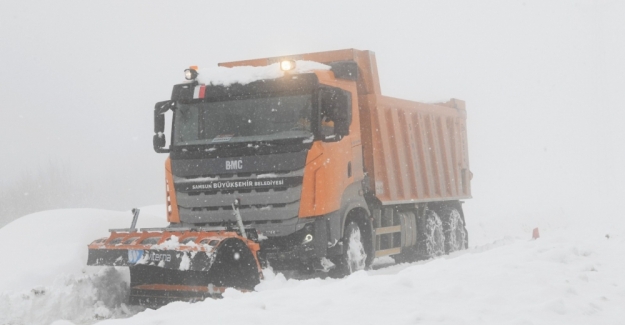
x=247, y=119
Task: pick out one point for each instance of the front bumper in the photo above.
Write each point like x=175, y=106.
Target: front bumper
x=301, y=248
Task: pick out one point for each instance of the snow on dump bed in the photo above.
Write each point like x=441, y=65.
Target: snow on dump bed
x=246, y=74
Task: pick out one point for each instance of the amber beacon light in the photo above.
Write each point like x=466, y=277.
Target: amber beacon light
x=191, y=73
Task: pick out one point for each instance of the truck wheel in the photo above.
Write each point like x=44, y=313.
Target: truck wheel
x=355, y=257
x=456, y=236
x=431, y=238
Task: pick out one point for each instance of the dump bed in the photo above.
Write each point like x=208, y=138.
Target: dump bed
x=415, y=152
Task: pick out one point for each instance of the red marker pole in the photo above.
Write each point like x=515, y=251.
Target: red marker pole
x=535, y=234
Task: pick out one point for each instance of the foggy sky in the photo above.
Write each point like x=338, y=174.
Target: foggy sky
x=543, y=84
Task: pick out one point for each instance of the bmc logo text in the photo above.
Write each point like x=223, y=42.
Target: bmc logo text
x=234, y=164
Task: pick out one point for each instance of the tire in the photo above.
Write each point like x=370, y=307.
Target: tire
x=431, y=237
x=355, y=257
x=456, y=236
x=407, y=255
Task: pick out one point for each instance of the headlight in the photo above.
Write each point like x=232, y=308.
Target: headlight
x=287, y=65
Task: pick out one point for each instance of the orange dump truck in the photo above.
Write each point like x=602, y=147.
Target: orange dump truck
x=303, y=166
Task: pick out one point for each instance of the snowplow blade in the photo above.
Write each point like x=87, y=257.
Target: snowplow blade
x=168, y=266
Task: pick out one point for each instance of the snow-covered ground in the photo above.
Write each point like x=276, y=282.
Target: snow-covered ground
x=573, y=274
x=44, y=272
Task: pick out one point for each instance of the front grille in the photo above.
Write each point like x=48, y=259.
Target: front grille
x=242, y=191
x=242, y=207
x=235, y=175
x=246, y=223
x=264, y=204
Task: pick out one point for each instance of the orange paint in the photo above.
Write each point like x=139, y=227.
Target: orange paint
x=325, y=174
x=415, y=152
x=171, y=205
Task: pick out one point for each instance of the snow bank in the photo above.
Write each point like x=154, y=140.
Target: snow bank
x=44, y=273
x=43, y=246
x=572, y=276
x=244, y=75
x=81, y=299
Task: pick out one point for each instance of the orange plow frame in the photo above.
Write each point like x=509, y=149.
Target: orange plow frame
x=179, y=264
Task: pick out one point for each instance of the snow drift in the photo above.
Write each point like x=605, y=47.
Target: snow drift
x=570, y=276
x=44, y=274
x=83, y=299
x=41, y=246
x=573, y=274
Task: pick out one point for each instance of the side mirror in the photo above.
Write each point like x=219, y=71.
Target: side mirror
x=159, y=141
